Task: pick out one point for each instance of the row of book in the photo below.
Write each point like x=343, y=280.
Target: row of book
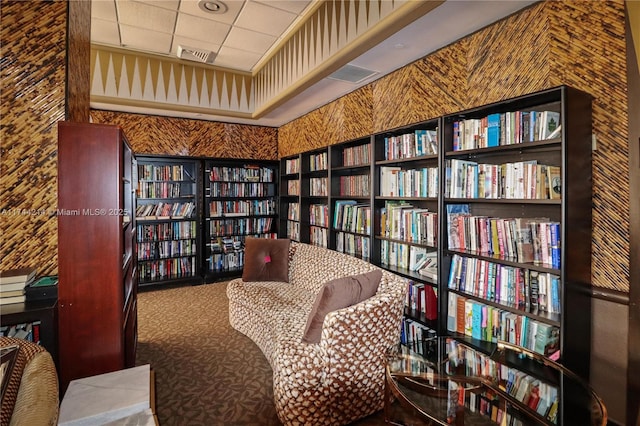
x=29, y=331
x=517, y=180
x=165, y=249
x=162, y=210
x=422, y=300
x=526, y=240
x=241, y=189
x=292, y=166
x=356, y=155
x=319, y=214
x=409, y=145
x=293, y=230
x=401, y=220
x=318, y=236
x=248, y=173
x=176, y=172
x=355, y=186
x=538, y=395
x=225, y=262
x=414, y=336
x=13, y=283
x=242, y=208
x=318, y=162
x=355, y=245
x=318, y=187
x=240, y=226
x=163, y=190
x=505, y=128
x=166, y=269
x=491, y=324
x=166, y=231
x=293, y=211
x=398, y=182
x=293, y=187
x=234, y=243
x=527, y=290
x=352, y=216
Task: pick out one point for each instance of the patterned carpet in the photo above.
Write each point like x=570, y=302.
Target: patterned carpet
x=206, y=372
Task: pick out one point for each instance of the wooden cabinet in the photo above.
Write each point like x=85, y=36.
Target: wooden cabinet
x=97, y=290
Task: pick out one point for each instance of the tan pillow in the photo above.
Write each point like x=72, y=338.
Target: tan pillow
x=337, y=294
x=266, y=259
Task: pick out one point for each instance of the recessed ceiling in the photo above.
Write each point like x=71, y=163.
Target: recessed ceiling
x=249, y=32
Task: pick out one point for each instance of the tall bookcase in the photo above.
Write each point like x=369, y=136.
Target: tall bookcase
x=167, y=212
x=97, y=289
x=289, y=212
x=406, y=226
x=351, y=191
x=314, y=203
x=448, y=188
x=516, y=224
x=240, y=201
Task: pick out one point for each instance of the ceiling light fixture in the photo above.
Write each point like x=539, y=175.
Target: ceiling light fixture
x=212, y=6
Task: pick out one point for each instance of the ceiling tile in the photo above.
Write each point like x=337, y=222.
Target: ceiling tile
x=236, y=59
x=137, y=38
x=201, y=29
x=106, y=32
x=296, y=6
x=190, y=42
x=146, y=16
x=229, y=17
x=105, y=9
x=253, y=17
x=165, y=4
x=239, y=38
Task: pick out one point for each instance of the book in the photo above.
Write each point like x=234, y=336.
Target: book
x=555, y=182
x=12, y=299
x=17, y=276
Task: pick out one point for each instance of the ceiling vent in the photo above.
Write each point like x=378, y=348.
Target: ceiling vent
x=352, y=74
x=197, y=55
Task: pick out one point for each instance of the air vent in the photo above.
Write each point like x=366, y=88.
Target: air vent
x=352, y=74
x=197, y=55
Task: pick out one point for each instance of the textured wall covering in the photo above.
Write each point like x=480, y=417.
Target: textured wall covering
x=33, y=101
x=178, y=136
x=580, y=44
x=78, y=74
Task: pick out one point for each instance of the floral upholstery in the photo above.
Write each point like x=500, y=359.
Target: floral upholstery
x=340, y=379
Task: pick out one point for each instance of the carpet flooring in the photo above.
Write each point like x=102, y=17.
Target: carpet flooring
x=206, y=372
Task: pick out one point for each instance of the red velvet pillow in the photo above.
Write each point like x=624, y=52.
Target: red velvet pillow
x=338, y=294
x=266, y=259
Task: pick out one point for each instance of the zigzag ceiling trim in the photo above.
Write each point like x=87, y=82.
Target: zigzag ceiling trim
x=331, y=35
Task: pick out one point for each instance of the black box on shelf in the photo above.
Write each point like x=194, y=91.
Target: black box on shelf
x=42, y=289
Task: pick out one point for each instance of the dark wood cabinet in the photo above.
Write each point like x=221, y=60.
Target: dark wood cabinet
x=97, y=290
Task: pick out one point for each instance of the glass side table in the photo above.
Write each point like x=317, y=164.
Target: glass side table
x=447, y=381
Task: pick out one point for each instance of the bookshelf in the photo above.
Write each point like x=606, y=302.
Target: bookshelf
x=516, y=224
x=351, y=198
x=406, y=206
x=289, y=216
x=167, y=215
x=314, y=203
x=240, y=201
x=432, y=195
x=96, y=255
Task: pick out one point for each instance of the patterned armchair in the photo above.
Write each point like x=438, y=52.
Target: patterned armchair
x=341, y=378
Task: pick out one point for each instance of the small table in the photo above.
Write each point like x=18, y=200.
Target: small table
x=448, y=381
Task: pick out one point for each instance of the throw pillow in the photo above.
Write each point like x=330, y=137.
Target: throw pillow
x=266, y=259
x=338, y=294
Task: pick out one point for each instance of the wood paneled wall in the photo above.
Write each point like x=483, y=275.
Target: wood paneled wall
x=33, y=101
x=580, y=44
x=149, y=134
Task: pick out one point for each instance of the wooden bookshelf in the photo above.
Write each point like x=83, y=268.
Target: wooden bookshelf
x=97, y=289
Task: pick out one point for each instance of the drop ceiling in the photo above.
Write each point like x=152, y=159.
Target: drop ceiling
x=249, y=33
